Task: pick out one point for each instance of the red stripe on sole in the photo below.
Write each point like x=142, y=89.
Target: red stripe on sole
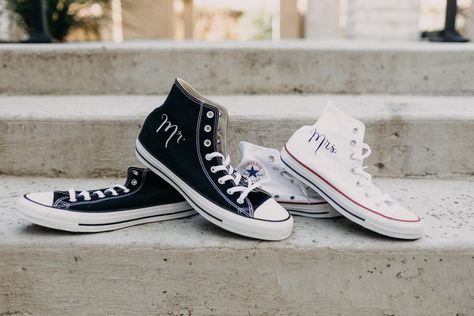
x=342, y=193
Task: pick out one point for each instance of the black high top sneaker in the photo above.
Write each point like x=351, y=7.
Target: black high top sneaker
x=183, y=141
x=144, y=198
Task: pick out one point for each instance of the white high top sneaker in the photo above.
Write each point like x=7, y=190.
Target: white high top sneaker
x=263, y=165
x=328, y=157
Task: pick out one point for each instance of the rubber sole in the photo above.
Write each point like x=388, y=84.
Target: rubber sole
x=319, y=210
x=87, y=222
x=391, y=228
x=249, y=227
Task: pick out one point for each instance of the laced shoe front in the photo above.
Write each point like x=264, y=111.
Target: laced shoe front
x=263, y=165
x=144, y=198
x=328, y=157
x=184, y=142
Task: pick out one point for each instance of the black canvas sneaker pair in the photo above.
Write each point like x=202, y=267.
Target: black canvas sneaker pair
x=184, y=143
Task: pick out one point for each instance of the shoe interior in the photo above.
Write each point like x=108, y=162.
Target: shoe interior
x=223, y=119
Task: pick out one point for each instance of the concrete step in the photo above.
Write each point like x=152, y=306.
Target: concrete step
x=87, y=136
x=191, y=267
x=309, y=67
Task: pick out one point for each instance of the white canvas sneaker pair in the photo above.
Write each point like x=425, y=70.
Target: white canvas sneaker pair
x=263, y=165
x=328, y=157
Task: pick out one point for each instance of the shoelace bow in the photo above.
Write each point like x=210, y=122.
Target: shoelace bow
x=99, y=193
x=231, y=175
x=366, y=178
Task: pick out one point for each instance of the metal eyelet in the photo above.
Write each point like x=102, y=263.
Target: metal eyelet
x=135, y=172
x=353, y=143
x=134, y=182
x=292, y=197
x=207, y=143
x=271, y=158
x=355, y=130
x=207, y=128
x=210, y=114
x=208, y=158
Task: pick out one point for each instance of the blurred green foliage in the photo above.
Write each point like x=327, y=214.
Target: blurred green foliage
x=62, y=16
x=263, y=26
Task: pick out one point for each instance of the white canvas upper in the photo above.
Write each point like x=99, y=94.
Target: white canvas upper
x=331, y=152
x=263, y=165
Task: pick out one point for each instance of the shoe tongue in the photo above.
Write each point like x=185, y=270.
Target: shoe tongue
x=222, y=117
x=343, y=131
x=223, y=121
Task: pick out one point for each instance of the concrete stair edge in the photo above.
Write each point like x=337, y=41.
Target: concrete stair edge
x=352, y=67
x=77, y=136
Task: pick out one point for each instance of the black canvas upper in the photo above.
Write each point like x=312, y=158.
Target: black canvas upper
x=146, y=190
x=182, y=147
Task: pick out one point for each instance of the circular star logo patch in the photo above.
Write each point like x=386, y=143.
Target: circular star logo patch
x=253, y=170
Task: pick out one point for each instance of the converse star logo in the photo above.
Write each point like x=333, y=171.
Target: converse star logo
x=253, y=170
x=174, y=129
x=321, y=141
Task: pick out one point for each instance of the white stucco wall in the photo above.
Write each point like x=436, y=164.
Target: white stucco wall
x=383, y=19
x=322, y=19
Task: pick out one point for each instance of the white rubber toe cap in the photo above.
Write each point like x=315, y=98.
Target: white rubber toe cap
x=397, y=213
x=270, y=210
x=43, y=198
x=406, y=215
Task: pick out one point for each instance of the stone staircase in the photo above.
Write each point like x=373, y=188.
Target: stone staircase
x=73, y=111
x=321, y=67
x=83, y=136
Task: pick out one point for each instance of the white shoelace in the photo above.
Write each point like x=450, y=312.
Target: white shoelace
x=99, y=193
x=366, y=178
x=231, y=175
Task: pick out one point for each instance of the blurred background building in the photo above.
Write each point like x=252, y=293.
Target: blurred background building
x=119, y=20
